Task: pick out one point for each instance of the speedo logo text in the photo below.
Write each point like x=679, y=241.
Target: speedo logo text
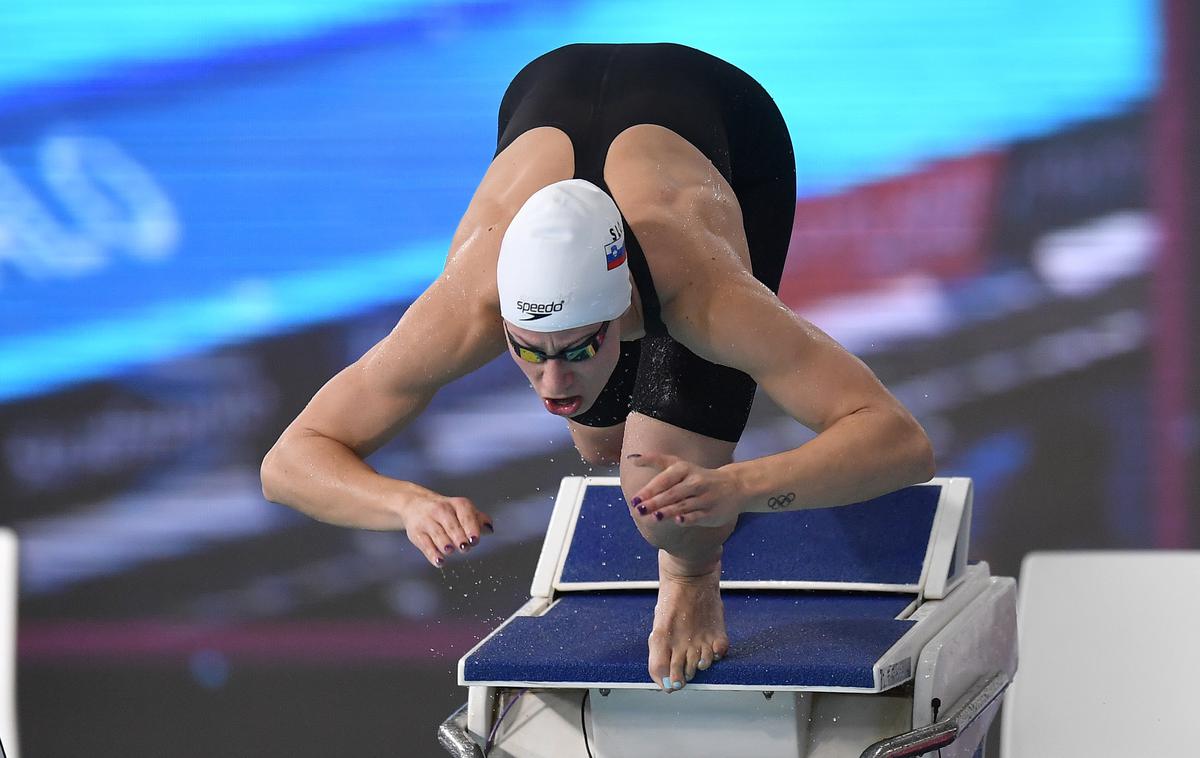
x=534, y=311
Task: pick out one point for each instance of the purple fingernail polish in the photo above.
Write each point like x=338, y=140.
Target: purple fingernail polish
x=449, y=548
x=658, y=515
x=462, y=546
x=440, y=560
x=679, y=519
x=489, y=527
x=641, y=509
x=473, y=539
x=637, y=501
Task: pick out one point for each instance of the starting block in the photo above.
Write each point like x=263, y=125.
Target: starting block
x=856, y=630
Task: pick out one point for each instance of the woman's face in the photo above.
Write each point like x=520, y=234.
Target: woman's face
x=567, y=388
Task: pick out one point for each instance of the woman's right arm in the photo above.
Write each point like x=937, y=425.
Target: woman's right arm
x=317, y=466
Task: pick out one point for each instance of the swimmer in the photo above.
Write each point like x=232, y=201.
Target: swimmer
x=625, y=247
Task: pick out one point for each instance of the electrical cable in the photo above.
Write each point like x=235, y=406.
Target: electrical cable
x=936, y=704
x=487, y=746
x=583, y=723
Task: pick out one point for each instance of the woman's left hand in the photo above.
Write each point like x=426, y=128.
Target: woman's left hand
x=687, y=493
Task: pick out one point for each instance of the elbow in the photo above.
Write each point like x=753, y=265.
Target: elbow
x=268, y=474
x=921, y=458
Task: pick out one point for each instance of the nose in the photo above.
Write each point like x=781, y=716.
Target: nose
x=557, y=378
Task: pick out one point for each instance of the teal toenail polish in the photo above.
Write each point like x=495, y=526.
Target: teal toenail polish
x=666, y=682
x=677, y=685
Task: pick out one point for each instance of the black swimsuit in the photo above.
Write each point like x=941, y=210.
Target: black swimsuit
x=593, y=93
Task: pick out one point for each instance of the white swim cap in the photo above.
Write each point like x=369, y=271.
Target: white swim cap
x=562, y=260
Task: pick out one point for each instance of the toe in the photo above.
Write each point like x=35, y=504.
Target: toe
x=720, y=649
x=705, y=658
x=691, y=663
x=660, y=661
x=678, y=665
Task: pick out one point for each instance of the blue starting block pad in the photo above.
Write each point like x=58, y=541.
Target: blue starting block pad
x=832, y=599
x=881, y=544
x=780, y=640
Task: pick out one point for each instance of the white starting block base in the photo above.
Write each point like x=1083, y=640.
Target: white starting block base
x=623, y=723
x=880, y=641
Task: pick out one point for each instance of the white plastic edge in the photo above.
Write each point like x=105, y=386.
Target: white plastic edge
x=554, y=546
x=571, y=514
x=8, y=641
x=951, y=524
x=931, y=616
x=982, y=606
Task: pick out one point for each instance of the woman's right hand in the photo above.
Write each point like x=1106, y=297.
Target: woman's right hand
x=440, y=525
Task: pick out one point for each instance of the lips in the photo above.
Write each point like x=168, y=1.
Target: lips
x=563, y=406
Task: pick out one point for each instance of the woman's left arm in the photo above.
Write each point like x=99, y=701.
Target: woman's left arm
x=867, y=443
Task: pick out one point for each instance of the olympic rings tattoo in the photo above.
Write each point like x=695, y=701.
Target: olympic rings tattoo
x=778, y=503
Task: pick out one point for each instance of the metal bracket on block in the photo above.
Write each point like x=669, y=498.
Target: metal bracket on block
x=452, y=735
x=942, y=733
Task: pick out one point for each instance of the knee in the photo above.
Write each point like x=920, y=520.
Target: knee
x=599, y=446
x=679, y=539
x=607, y=455
x=648, y=434
x=665, y=534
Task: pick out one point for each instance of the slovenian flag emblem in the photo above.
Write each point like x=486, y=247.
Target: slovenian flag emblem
x=615, y=253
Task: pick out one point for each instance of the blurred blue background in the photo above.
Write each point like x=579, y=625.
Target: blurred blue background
x=207, y=209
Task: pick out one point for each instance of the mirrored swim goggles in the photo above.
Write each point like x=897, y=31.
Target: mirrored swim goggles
x=581, y=352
